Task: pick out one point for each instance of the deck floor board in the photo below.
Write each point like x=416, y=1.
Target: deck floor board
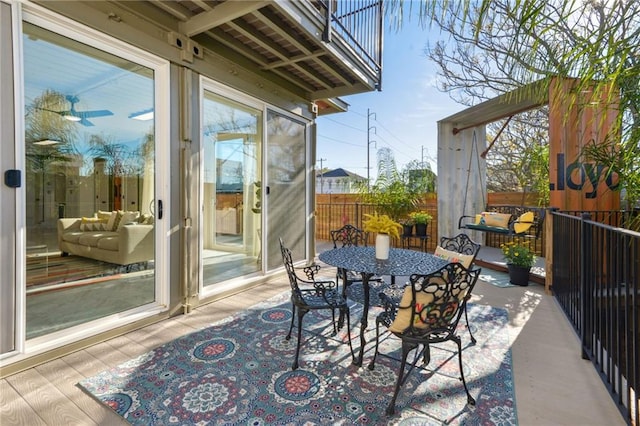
x=553, y=384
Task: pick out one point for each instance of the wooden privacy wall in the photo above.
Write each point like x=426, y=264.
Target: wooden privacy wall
x=335, y=210
x=512, y=199
x=577, y=117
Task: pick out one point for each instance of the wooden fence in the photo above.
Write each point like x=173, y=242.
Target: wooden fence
x=335, y=210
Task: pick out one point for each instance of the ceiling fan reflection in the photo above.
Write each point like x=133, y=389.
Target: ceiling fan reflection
x=81, y=117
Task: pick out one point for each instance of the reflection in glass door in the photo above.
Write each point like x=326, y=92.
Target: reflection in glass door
x=232, y=210
x=89, y=182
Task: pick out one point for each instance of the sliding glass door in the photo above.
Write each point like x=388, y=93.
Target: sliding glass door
x=90, y=151
x=286, y=186
x=232, y=210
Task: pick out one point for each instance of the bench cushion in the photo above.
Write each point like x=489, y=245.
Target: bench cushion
x=453, y=256
x=403, y=317
x=524, y=222
x=495, y=219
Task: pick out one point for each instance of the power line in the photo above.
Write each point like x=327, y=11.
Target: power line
x=345, y=125
x=338, y=140
x=395, y=149
x=411, y=152
x=423, y=148
x=393, y=135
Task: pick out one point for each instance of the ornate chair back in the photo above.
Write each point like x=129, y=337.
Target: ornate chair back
x=287, y=259
x=429, y=312
x=348, y=236
x=312, y=294
x=464, y=245
x=461, y=243
x=435, y=302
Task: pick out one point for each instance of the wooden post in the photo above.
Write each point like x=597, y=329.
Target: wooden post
x=548, y=249
x=577, y=117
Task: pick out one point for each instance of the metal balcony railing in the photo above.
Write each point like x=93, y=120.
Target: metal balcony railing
x=359, y=23
x=596, y=280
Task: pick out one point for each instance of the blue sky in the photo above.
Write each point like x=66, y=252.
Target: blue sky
x=406, y=110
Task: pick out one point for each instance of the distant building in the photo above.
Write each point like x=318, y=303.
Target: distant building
x=386, y=163
x=338, y=181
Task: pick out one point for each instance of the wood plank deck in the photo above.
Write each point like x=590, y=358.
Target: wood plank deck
x=554, y=386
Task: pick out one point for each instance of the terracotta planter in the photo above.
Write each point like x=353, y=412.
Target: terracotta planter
x=518, y=275
x=382, y=246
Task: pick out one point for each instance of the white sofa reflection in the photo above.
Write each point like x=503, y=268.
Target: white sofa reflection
x=124, y=244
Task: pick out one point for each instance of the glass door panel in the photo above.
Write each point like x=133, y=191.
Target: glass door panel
x=89, y=182
x=231, y=189
x=286, y=202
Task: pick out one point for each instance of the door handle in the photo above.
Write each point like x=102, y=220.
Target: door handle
x=12, y=178
x=160, y=209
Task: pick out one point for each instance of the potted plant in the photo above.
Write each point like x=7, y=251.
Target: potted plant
x=384, y=227
x=258, y=204
x=421, y=220
x=391, y=195
x=520, y=258
x=407, y=226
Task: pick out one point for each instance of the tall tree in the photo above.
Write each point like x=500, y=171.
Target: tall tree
x=419, y=176
x=392, y=193
x=493, y=46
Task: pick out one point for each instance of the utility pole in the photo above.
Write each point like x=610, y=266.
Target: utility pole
x=322, y=175
x=369, y=142
x=427, y=156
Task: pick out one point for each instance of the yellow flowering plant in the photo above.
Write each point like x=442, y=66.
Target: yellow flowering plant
x=381, y=224
x=519, y=253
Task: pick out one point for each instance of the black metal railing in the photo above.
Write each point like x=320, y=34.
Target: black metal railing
x=596, y=280
x=360, y=23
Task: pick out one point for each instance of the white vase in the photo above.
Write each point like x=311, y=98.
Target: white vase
x=382, y=246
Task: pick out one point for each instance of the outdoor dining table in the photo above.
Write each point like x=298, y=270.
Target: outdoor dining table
x=362, y=260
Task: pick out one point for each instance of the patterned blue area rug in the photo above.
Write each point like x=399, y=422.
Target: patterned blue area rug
x=238, y=372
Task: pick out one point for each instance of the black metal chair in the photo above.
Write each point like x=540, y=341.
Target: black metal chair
x=429, y=312
x=312, y=294
x=349, y=236
x=462, y=244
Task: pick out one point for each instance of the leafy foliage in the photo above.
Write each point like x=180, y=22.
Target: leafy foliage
x=518, y=161
x=392, y=193
x=257, y=208
x=43, y=123
x=420, y=217
x=519, y=253
x=381, y=224
x=490, y=47
x=420, y=176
